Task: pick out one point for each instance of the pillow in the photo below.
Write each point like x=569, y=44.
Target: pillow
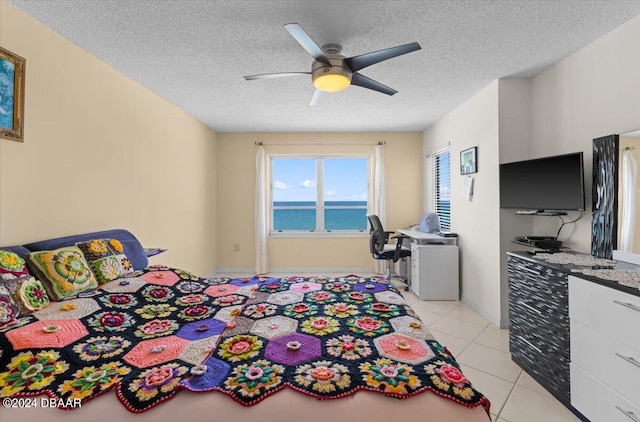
x=106, y=258
x=132, y=247
x=11, y=265
x=28, y=293
x=64, y=272
x=9, y=310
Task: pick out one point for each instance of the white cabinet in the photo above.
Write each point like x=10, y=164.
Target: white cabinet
x=605, y=351
x=434, y=272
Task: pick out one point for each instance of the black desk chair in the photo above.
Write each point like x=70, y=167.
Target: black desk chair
x=379, y=239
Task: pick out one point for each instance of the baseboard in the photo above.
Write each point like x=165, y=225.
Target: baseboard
x=491, y=318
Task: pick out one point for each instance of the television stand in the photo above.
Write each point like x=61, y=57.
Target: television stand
x=551, y=212
x=541, y=212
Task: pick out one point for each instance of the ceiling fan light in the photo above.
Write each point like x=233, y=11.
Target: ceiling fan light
x=332, y=82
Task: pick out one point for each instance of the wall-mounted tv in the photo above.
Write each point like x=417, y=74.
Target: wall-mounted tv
x=549, y=183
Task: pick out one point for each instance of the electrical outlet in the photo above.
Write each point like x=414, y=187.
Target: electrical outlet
x=236, y=247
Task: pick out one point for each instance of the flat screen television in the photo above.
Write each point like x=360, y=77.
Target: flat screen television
x=549, y=183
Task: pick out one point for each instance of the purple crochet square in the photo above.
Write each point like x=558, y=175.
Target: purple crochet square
x=370, y=287
x=201, y=329
x=309, y=348
x=216, y=372
x=245, y=281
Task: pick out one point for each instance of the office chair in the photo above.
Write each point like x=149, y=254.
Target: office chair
x=379, y=239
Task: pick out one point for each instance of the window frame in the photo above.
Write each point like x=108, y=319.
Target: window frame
x=320, y=206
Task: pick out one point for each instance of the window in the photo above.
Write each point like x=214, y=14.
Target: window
x=319, y=194
x=441, y=187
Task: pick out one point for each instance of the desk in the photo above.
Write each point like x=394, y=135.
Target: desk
x=423, y=238
x=434, y=266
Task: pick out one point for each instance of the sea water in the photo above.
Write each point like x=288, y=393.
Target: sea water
x=338, y=215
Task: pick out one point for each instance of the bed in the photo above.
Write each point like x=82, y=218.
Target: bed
x=158, y=343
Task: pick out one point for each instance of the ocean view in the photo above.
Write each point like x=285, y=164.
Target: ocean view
x=338, y=215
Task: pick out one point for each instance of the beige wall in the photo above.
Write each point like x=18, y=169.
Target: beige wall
x=101, y=152
x=236, y=184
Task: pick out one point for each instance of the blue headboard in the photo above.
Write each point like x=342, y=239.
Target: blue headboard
x=132, y=247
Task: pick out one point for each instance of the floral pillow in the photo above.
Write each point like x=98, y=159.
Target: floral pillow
x=11, y=265
x=9, y=310
x=64, y=272
x=106, y=258
x=28, y=293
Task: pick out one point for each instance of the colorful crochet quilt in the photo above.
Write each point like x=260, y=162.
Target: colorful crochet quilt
x=162, y=330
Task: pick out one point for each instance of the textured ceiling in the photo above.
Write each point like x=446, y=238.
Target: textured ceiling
x=195, y=52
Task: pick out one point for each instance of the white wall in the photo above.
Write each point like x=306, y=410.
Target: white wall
x=477, y=222
x=594, y=92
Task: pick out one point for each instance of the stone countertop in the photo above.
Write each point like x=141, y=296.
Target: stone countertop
x=615, y=274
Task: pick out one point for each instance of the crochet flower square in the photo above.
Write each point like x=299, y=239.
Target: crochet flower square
x=28, y=292
x=11, y=265
x=64, y=272
x=106, y=258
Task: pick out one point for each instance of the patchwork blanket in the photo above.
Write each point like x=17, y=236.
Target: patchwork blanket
x=162, y=330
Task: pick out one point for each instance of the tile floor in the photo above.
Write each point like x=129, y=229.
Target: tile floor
x=483, y=353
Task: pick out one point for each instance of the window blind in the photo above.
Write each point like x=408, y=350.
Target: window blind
x=441, y=187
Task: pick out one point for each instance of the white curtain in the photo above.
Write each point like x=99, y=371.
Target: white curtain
x=628, y=227
x=262, y=262
x=378, y=198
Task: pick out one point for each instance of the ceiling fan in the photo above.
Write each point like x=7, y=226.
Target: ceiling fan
x=332, y=72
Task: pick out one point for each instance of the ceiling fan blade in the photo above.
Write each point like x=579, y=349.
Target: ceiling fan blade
x=316, y=97
x=360, y=62
x=363, y=81
x=275, y=75
x=306, y=42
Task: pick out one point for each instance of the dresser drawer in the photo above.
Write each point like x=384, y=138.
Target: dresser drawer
x=598, y=402
x=613, y=364
x=608, y=311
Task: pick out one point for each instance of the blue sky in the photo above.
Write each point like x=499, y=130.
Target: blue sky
x=345, y=179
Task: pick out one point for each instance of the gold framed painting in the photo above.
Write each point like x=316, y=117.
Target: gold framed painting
x=11, y=96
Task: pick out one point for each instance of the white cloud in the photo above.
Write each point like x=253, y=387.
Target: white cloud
x=281, y=185
x=330, y=193
x=308, y=184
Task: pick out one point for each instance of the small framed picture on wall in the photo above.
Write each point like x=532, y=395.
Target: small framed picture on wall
x=469, y=161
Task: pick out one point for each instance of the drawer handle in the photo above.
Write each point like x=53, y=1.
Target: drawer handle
x=532, y=346
x=627, y=305
x=529, y=270
x=629, y=359
x=529, y=307
x=628, y=413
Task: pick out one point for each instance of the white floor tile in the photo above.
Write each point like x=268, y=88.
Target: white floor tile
x=465, y=312
x=495, y=338
x=525, y=380
x=495, y=389
x=455, y=345
x=491, y=361
x=526, y=405
x=456, y=327
x=427, y=317
x=439, y=307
